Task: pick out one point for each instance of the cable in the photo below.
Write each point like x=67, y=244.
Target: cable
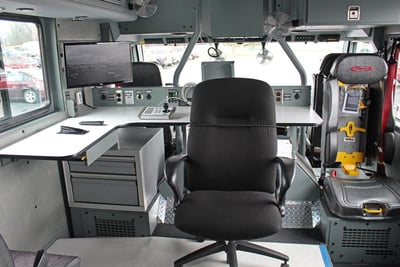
x=185, y=90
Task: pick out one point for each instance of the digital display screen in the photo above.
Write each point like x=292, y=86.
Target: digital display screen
x=97, y=64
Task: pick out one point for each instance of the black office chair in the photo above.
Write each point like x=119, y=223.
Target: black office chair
x=144, y=74
x=234, y=183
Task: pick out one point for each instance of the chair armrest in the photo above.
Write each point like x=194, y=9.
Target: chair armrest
x=170, y=174
x=285, y=177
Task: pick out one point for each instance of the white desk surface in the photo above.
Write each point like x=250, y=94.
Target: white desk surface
x=48, y=144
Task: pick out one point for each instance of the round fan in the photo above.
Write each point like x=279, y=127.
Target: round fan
x=264, y=56
x=277, y=25
x=145, y=8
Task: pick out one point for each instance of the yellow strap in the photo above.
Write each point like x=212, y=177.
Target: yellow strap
x=350, y=129
x=354, y=86
x=361, y=105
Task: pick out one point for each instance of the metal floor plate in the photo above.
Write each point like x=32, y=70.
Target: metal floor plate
x=301, y=215
x=298, y=214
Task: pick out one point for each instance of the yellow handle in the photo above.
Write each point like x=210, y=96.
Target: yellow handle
x=378, y=211
x=351, y=128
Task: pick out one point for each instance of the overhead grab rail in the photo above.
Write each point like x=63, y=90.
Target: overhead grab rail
x=192, y=43
x=289, y=52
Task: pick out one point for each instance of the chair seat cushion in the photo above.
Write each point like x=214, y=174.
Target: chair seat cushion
x=228, y=215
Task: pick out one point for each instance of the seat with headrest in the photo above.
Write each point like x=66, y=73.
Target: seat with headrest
x=234, y=182
x=352, y=109
x=346, y=109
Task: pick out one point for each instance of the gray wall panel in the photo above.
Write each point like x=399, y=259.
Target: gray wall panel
x=31, y=205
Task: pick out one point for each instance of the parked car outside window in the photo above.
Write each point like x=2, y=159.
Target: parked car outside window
x=23, y=84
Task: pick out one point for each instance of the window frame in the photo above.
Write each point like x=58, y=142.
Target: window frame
x=8, y=121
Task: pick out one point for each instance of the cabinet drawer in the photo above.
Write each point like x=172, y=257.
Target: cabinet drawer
x=105, y=191
x=106, y=165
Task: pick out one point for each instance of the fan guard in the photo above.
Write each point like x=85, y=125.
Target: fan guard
x=145, y=8
x=277, y=25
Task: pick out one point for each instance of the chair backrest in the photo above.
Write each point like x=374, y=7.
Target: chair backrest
x=324, y=72
x=232, y=139
x=351, y=104
x=319, y=79
x=145, y=74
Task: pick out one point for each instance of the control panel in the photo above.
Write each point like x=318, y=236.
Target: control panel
x=137, y=96
x=156, y=96
x=292, y=95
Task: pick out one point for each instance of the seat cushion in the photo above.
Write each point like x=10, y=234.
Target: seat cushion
x=356, y=198
x=228, y=215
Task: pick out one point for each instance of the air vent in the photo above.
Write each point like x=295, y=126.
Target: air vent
x=376, y=252
x=120, y=3
x=114, y=2
x=116, y=228
x=366, y=238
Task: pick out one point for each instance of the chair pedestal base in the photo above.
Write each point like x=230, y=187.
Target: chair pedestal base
x=230, y=248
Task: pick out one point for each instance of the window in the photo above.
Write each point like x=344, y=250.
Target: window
x=275, y=68
x=23, y=94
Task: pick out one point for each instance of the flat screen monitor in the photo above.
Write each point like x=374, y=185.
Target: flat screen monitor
x=91, y=64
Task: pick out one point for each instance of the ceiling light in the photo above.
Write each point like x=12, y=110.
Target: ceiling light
x=79, y=18
x=25, y=9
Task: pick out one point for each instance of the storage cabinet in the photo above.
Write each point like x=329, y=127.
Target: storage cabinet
x=369, y=12
x=120, y=186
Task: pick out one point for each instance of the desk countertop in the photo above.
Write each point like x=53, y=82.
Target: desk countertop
x=50, y=144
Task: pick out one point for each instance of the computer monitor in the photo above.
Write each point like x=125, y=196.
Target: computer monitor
x=90, y=64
